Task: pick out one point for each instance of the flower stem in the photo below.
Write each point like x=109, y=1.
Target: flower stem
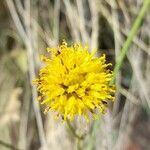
x=73, y=131
x=130, y=37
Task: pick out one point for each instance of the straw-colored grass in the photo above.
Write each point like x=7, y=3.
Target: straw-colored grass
x=119, y=28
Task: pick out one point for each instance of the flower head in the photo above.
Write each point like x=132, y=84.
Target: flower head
x=74, y=82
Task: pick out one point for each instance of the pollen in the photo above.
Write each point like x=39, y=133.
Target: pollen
x=74, y=82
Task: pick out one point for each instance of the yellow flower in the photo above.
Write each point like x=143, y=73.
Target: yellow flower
x=74, y=82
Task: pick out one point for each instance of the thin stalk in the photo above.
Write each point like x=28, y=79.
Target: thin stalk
x=10, y=146
x=130, y=38
x=73, y=131
x=79, y=144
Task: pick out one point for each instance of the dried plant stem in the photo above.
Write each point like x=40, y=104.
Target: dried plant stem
x=130, y=37
x=26, y=36
x=10, y=146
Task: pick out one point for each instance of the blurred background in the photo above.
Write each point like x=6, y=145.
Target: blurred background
x=27, y=28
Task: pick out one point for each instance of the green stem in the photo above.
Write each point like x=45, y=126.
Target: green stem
x=130, y=37
x=125, y=48
x=10, y=146
x=79, y=144
x=73, y=131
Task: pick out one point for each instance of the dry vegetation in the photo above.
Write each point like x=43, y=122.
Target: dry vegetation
x=28, y=27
